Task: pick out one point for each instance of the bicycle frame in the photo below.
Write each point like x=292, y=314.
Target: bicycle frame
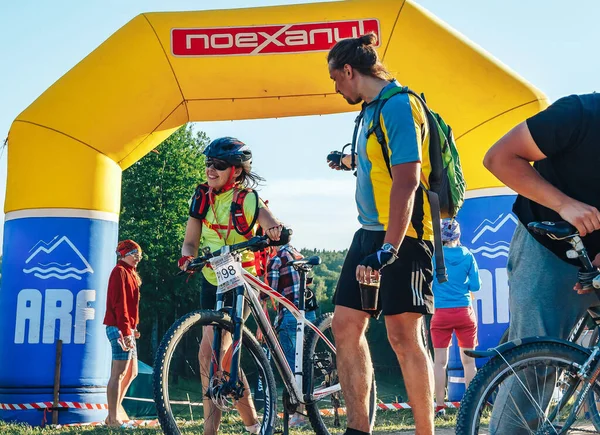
x=293, y=379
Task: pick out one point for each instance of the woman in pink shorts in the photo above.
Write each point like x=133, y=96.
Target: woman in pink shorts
x=454, y=310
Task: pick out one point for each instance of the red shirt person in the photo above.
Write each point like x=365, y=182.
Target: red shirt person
x=121, y=320
x=122, y=300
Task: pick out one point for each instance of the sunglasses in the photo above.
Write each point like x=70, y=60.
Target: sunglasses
x=219, y=165
x=133, y=253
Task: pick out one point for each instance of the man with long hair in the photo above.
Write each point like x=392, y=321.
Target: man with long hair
x=396, y=233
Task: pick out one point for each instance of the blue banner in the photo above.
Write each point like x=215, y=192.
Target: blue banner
x=487, y=225
x=54, y=278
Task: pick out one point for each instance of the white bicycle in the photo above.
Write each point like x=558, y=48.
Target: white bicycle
x=240, y=378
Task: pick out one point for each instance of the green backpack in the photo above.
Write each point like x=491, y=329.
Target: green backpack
x=447, y=185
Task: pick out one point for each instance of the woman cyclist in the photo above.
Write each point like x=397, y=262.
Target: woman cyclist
x=212, y=224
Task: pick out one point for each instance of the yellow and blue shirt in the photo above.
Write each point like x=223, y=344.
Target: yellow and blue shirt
x=404, y=124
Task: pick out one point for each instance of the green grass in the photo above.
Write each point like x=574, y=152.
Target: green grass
x=387, y=422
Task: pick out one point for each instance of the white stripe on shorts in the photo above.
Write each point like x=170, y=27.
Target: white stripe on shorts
x=416, y=284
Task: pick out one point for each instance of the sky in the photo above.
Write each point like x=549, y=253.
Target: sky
x=551, y=43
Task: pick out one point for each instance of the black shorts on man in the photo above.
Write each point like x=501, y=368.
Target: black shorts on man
x=405, y=284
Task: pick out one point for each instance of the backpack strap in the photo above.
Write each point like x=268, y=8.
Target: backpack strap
x=436, y=162
x=240, y=224
x=376, y=125
x=357, y=123
x=438, y=248
x=200, y=202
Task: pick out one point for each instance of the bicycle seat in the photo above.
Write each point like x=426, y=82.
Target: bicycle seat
x=554, y=230
x=315, y=260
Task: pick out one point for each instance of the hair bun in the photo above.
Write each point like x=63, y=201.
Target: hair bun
x=368, y=39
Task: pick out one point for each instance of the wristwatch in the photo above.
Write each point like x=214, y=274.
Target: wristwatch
x=388, y=247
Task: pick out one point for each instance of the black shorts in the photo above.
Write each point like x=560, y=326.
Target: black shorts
x=208, y=298
x=405, y=284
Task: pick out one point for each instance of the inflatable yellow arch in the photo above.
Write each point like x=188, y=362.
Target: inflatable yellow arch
x=67, y=150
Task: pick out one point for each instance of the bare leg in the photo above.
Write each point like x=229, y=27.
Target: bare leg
x=404, y=334
x=469, y=367
x=113, y=391
x=355, y=368
x=245, y=405
x=212, y=415
x=130, y=375
x=439, y=371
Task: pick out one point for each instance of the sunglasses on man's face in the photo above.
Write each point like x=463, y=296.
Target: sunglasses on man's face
x=219, y=165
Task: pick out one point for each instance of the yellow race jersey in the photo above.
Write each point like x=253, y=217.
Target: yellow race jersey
x=404, y=124
x=218, y=230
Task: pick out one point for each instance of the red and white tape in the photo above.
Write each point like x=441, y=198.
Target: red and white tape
x=329, y=412
x=399, y=406
x=43, y=405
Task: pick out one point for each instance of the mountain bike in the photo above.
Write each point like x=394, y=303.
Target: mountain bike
x=545, y=383
x=239, y=381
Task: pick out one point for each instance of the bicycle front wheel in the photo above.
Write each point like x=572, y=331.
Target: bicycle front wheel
x=530, y=389
x=327, y=410
x=181, y=380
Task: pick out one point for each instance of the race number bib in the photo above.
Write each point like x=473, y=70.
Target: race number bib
x=228, y=271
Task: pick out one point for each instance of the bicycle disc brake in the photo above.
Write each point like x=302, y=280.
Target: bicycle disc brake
x=217, y=392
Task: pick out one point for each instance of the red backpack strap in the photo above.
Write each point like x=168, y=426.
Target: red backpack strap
x=238, y=216
x=200, y=202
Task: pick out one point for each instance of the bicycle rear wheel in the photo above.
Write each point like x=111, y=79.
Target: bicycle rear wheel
x=180, y=395
x=320, y=375
x=532, y=387
x=593, y=400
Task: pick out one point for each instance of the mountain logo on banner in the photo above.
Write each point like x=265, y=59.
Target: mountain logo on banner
x=58, y=258
x=493, y=237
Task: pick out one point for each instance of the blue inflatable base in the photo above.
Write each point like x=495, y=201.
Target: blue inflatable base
x=456, y=385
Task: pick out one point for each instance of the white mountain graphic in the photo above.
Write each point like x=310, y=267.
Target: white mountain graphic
x=57, y=259
x=489, y=229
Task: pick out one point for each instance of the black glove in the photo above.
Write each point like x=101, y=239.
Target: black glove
x=378, y=260
x=335, y=158
x=284, y=238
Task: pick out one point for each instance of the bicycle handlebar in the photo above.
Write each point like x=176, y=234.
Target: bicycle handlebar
x=256, y=243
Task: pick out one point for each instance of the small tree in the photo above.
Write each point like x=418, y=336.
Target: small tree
x=155, y=198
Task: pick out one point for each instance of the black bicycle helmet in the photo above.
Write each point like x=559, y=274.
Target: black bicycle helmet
x=229, y=149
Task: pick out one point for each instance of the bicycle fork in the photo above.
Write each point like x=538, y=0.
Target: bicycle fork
x=233, y=386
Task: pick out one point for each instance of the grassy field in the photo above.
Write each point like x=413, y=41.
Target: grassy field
x=388, y=422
